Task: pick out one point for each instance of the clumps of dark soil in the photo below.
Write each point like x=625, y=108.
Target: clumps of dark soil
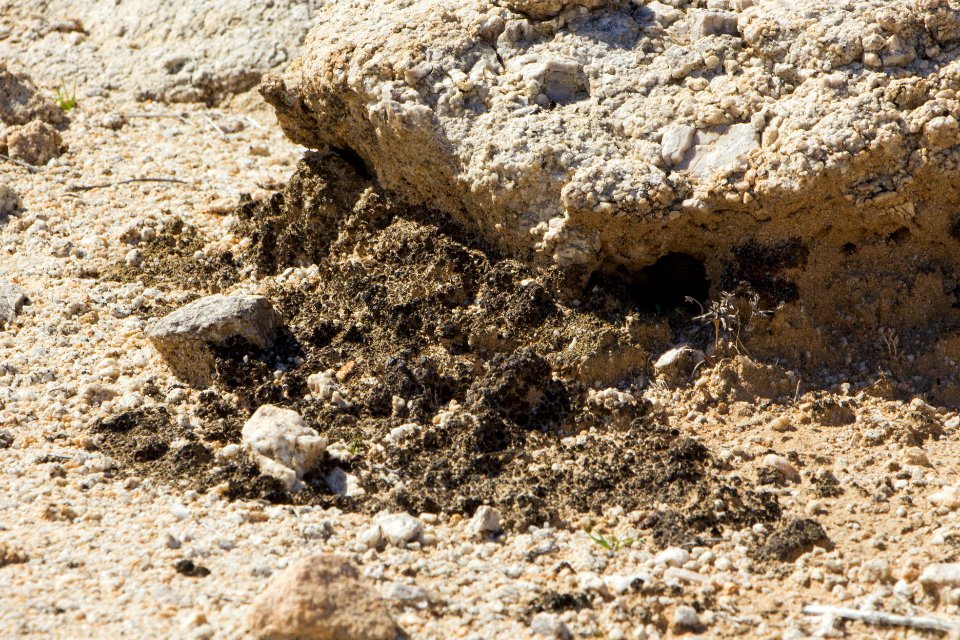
x=174, y=260
x=492, y=374
x=825, y=484
x=190, y=569
x=150, y=441
x=792, y=540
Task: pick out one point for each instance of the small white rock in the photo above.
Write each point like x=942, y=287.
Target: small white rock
x=782, y=465
x=672, y=556
x=486, y=520
x=686, y=617
x=283, y=446
x=947, y=497
x=939, y=575
x=400, y=528
x=344, y=484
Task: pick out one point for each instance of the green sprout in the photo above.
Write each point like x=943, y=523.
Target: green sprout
x=611, y=543
x=67, y=101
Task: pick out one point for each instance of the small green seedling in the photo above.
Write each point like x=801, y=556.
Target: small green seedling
x=64, y=100
x=611, y=543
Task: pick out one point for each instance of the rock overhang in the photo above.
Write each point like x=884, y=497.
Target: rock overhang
x=609, y=135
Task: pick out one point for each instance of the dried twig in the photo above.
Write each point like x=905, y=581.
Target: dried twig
x=178, y=116
x=26, y=165
x=214, y=125
x=90, y=187
x=927, y=623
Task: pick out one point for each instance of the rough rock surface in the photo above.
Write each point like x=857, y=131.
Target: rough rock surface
x=320, y=597
x=21, y=102
x=185, y=335
x=282, y=444
x=180, y=51
x=35, y=143
x=804, y=137
x=27, y=122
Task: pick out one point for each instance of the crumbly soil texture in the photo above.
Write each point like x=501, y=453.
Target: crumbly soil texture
x=468, y=380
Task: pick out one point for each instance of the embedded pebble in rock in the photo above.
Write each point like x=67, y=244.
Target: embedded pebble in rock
x=399, y=528
x=282, y=444
x=183, y=336
x=485, y=521
x=12, y=300
x=320, y=597
x=9, y=200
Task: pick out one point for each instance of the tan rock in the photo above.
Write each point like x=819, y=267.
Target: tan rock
x=320, y=597
x=34, y=143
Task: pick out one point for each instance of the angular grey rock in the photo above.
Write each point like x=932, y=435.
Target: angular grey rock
x=486, y=520
x=320, y=597
x=12, y=299
x=183, y=336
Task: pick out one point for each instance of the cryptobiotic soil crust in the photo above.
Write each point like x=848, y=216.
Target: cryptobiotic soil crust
x=714, y=492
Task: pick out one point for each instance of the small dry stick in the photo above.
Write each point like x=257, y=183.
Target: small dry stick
x=29, y=167
x=926, y=623
x=90, y=187
x=178, y=116
x=214, y=125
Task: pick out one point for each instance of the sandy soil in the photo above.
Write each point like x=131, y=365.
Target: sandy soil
x=717, y=502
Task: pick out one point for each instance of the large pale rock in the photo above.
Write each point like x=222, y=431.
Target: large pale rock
x=184, y=336
x=795, y=145
x=282, y=444
x=320, y=597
